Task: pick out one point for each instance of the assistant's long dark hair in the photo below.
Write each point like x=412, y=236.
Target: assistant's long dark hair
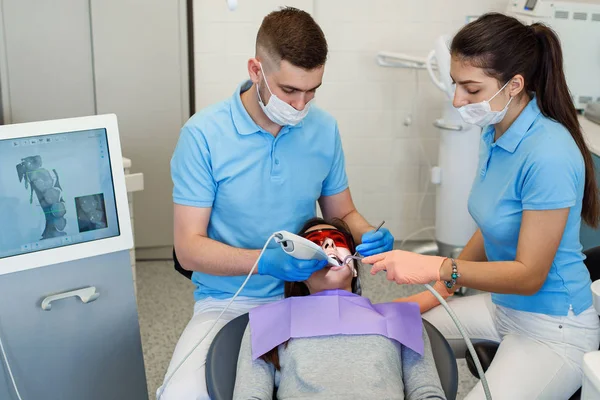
x=505, y=47
x=296, y=289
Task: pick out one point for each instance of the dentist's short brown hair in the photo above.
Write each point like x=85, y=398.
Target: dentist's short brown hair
x=292, y=35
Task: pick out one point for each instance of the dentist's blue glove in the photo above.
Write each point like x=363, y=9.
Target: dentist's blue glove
x=277, y=263
x=376, y=242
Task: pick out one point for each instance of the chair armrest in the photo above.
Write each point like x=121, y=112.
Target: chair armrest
x=485, y=350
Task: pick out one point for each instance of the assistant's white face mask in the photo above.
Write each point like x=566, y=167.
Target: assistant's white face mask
x=481, y=114
x=278, y=110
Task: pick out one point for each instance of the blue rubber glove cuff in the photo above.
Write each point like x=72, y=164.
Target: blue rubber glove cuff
x=376, y=242
x=277, y=263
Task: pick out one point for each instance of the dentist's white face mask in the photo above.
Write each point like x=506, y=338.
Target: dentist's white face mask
x=481, y=114
x=278, y=110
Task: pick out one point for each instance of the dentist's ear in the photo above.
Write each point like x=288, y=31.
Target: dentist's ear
x=254, y=70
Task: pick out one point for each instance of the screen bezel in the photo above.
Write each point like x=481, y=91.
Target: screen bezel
x=77, y=251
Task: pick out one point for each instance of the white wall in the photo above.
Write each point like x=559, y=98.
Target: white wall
x=388, y=173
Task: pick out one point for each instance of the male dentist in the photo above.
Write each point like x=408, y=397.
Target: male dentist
x=249, y=166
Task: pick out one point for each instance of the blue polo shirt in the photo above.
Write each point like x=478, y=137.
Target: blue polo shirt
x=255, y=183
x=534, y=165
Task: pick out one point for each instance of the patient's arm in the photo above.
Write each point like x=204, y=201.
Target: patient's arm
x=255, y=380
x=426, y=299
x=421, y=380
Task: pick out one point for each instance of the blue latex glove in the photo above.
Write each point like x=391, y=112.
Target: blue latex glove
x=277, y=263
x=376, y=242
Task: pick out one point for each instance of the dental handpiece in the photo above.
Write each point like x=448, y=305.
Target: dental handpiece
x=301, y=248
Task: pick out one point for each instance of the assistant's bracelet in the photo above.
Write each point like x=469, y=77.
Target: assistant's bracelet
x=454, y=276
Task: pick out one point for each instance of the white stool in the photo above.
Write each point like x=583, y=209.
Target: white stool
x=590, y=389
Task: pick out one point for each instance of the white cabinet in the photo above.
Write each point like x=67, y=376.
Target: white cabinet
x=47, y=69
x=67, y=58
x=73, y=350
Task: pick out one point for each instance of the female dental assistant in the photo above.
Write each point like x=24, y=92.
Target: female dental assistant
x=534, y=185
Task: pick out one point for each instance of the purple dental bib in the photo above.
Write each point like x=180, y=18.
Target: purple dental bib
x=333, y=312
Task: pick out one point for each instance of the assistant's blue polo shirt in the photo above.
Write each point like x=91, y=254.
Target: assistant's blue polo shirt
x=534, y=165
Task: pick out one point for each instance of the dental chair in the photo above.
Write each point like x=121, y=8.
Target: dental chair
x=221, y=361
x=486, y=350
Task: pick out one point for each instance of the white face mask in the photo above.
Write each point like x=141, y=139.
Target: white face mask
x=481, y=114
x=278, y=110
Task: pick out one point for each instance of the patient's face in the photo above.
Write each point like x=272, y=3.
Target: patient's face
x=330, y=277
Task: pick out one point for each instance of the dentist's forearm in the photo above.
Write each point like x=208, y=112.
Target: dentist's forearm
x=358, y=225
x=199, y=253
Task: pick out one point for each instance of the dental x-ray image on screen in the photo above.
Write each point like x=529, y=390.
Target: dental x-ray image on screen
x=55, y=190
x=91, y=212
x=48, y=191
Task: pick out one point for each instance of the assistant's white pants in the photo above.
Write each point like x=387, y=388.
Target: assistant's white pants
x=540, y=356
x=189, y=382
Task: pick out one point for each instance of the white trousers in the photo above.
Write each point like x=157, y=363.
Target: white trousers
x=540, y=356
x=189, y=382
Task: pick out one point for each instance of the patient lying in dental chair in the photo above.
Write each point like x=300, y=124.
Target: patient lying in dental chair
x=339, y=345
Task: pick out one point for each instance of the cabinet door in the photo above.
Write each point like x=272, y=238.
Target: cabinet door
x=73, y=351
x=140, y=62
x=48, y=59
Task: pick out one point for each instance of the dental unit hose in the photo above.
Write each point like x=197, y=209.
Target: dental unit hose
x=456, y=321
x=166, y=383
x=12, y=378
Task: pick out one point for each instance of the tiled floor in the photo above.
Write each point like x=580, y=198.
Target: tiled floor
x=165, y=305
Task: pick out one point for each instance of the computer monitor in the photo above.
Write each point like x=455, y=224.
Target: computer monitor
x=62, y=192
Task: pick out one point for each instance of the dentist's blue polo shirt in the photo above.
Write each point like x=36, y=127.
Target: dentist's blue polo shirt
x=255, y=183
x=534, y=165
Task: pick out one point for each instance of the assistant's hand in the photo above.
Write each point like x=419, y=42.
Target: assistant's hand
x=442, y=289
x=376, y=242
x=405, y=267
x=277, y=263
